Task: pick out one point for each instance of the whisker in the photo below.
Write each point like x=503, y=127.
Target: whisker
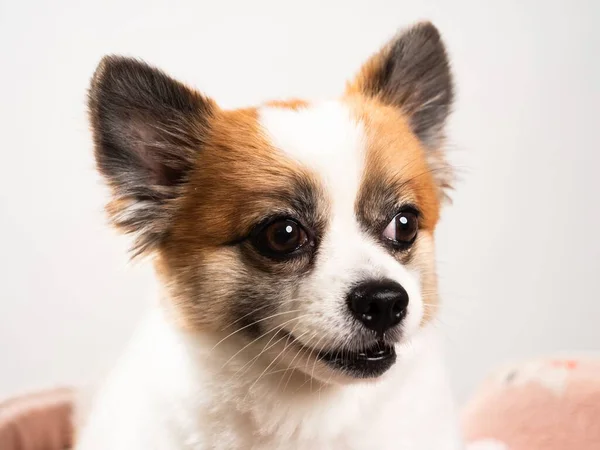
x=303, y=349
x=264, y=371
x=315, y=363
x=278, y=328
x=243, y=370
x=254, y=311
x=254, y=323
x=267, y=347
x=293, y=359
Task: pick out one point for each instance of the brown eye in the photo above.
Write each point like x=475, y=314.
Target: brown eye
x=403, y=228
x=280, y=238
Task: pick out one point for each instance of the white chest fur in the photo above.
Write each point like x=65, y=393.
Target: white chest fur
x=171, y=392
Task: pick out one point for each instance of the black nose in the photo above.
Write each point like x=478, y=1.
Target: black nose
x=378, y=304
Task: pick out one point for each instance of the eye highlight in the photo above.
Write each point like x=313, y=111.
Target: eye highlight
x=403, y=228
x=280, y=238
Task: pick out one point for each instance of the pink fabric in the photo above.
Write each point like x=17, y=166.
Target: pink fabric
x=40, y=421
x=551, y=404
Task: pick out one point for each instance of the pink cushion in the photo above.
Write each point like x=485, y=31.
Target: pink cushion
x=549, y=404
x=40, y=421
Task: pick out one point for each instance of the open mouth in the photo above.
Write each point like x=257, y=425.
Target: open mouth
x=368, y=363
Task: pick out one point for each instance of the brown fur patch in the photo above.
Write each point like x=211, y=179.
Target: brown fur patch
x=294, y=104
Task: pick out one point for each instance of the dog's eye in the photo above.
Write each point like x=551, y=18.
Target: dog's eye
x=403, y=228
x=280, y=238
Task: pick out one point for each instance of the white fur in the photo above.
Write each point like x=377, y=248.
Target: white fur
x=174, y=390
x=171, y=393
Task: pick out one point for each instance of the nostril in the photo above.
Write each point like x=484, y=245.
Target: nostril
x=397, y=307
x=398, y=310
x=371, y=313
x=372, y=309
x=397, y=313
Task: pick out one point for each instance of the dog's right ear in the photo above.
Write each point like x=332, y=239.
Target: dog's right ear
x=148, y=129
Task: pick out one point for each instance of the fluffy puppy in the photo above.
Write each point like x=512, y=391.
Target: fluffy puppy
x=294, y=246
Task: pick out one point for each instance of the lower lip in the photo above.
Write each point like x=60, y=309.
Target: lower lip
x=370, y=363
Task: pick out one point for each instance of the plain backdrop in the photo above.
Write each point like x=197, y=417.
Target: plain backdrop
x=518, y=251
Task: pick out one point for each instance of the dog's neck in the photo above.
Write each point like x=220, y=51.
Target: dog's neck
x=194, y=395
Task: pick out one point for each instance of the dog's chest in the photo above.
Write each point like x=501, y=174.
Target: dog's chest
x=379, y=428
x=410, y=410
x=390, y=423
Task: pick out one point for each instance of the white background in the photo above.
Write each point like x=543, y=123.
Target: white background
x=519, y=253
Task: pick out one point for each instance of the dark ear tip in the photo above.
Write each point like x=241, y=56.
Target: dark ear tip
x=425, y=27
x=422, y=32
x=113, y=67
x=104, y=67
x=103, y=72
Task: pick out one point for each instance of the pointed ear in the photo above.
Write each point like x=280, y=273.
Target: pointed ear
x=148, y=130
x=412, y=72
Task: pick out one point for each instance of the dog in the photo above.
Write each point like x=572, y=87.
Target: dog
x=293, y=243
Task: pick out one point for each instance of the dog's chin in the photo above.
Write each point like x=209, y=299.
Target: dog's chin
x=344, y=366
x=370, y=362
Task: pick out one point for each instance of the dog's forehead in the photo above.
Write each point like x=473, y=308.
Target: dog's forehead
x=327, y=138
x=365, y=155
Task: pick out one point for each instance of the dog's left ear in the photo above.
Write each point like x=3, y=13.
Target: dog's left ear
x=412, y=73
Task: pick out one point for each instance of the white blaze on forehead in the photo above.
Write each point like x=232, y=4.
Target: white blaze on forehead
x=326, y=139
